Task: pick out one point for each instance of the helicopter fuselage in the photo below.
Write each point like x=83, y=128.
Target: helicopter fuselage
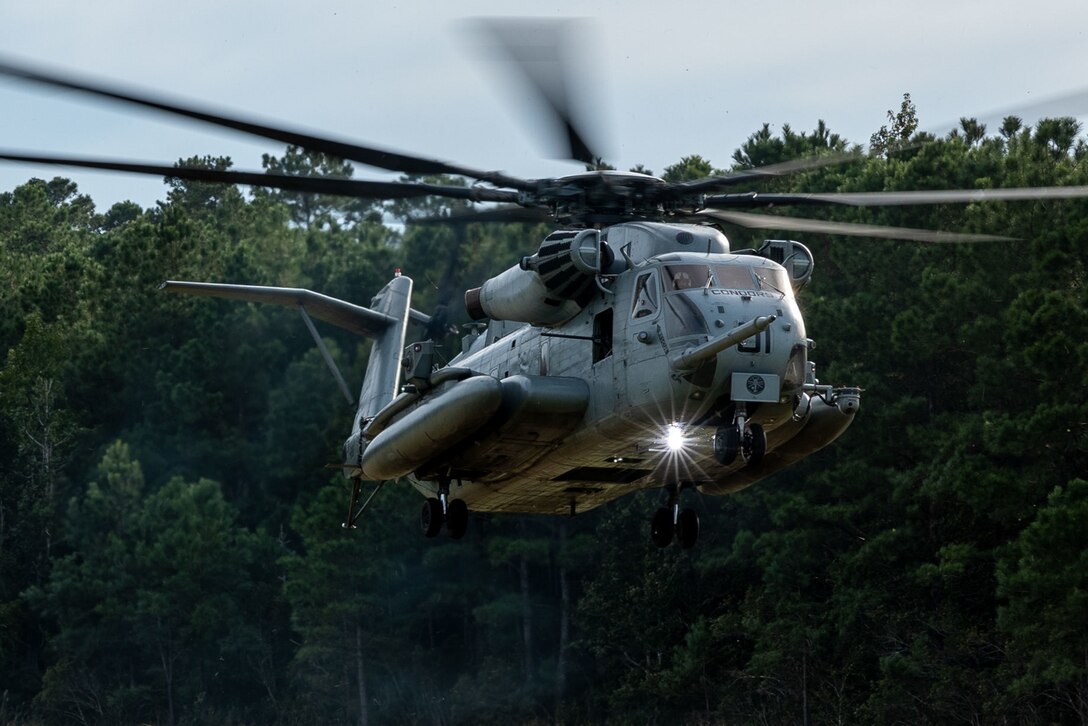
x=626, y=394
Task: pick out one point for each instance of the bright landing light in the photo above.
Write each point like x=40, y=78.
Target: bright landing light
x=674, y=437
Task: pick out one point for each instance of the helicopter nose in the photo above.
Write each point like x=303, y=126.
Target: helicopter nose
x=695, y=356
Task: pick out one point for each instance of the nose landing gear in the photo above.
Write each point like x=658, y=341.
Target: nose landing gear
x=671, y=521
x=743, y=437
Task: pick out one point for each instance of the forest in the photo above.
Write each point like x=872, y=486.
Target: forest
x=170, y=540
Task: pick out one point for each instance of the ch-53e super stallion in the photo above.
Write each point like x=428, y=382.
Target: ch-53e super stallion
x=631, y=349
x=642, y=355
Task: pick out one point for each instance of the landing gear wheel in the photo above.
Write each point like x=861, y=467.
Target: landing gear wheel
x=754, y=445
x=726, y=444
x=687, y=528
x=661, y=527
x=457, y=518
x=431, y=518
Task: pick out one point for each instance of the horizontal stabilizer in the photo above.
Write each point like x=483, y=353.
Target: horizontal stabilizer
x=348, y=316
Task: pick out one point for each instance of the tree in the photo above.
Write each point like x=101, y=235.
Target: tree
x=688, y=169
x=764, y=149
x=1042, y=578
x=342, y=586
x=161, y=604
x=315, y=211
x=973, y=131
x=903, y=125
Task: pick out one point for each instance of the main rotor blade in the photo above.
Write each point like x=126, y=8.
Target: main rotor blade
x=799, y=224
x=538, y=48
x=499, y=214
x=894, y=199
x=370, y=156
x=357, y=188
x=759, y=173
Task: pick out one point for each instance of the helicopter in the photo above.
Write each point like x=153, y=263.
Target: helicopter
x=632, y=348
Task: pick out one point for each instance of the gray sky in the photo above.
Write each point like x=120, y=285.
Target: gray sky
x=669, y=79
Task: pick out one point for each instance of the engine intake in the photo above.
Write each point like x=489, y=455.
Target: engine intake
x=549, y=287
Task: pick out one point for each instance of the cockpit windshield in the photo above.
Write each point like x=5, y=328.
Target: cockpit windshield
x=772, y=279
x=686, y=277
x=735, y=277
x=729, y=277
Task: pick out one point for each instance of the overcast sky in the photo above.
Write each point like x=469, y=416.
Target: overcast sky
x=666, y=79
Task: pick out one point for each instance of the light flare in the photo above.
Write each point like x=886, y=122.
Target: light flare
x=674, y=438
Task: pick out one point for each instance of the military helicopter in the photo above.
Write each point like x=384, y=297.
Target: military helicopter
x=632, y=349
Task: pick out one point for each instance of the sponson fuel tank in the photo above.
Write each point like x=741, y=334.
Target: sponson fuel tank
x=437, y=423
x=537, y=413
x=478, y=421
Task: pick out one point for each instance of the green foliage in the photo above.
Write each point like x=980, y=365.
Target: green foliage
x=315, y=211
x=903, y=125
x=764, y=149
x=688, y=169
x=170, y=548
x=1042, y=579
x=183, y=604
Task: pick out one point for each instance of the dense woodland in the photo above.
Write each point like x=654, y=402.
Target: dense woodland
x=170, y=540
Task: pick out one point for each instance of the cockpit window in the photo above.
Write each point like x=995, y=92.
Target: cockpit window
x=645, y=304
x=683, y=317
x=772, y=279
x=728, y=277
x=686, y=277
x=742, y=277
x=735, y=277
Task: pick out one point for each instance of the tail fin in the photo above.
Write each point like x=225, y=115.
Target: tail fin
x=383, y=368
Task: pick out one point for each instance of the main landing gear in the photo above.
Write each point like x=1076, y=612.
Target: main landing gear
x=671, y=521
x=443, y=510
x=743, y=437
